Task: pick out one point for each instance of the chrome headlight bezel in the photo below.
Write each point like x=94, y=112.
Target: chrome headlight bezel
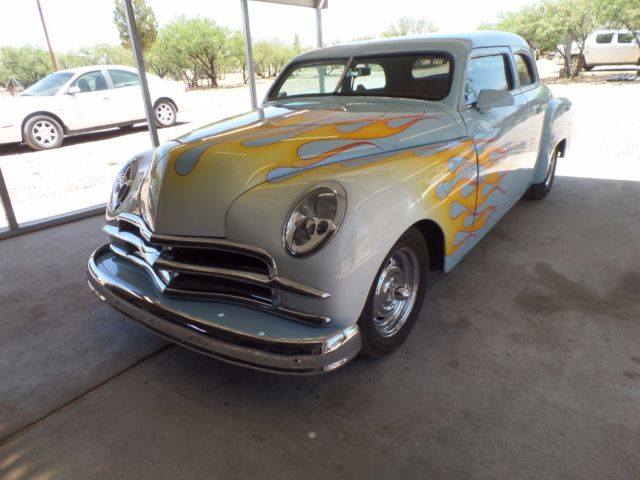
x=297, y=219
x=122, y=184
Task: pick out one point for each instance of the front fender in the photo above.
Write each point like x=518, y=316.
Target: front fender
x=386, y=195
x=558, y=124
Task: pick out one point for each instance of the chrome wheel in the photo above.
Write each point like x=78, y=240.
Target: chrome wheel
x=395, y=292
x=165, y=114
x=45, y=134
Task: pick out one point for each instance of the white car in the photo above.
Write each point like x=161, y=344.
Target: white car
x=610, y=47
x=83, y=99
x=606, y=47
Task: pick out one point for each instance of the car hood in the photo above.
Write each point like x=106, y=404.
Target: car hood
x=194, y=179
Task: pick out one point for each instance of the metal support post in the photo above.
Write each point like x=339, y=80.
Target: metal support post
x=246, y=29
x=6, y=204
x=144, y=86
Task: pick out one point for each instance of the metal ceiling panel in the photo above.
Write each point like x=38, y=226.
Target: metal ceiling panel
x=300, y=3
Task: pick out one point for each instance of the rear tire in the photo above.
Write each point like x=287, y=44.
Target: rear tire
x=538, y=191
x=396, y=296
x=583, y=64
x=42, y=132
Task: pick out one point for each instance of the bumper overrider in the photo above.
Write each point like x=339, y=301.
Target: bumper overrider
x=120, y=276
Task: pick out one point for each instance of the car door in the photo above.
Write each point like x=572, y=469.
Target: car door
x=126, y=95
x=89, y=105
x=601, y=50
x=627, y=51
x=537, y=95
x=501, y=135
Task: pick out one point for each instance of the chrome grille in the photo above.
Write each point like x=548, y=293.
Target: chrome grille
x=208, y=268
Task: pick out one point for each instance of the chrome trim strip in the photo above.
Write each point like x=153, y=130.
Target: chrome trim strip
x=161, y=286
x=277, y=283
x=199, y=242
x=307, y=356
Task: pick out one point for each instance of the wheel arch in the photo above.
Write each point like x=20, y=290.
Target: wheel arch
x=167, y=99
x=555, y=135
x=434, y=238
x=65, y=129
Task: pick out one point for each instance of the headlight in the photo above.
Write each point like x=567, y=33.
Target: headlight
x=315, y=219
x=122, y=184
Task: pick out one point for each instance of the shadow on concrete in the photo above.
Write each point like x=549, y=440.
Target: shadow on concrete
x=523, y=364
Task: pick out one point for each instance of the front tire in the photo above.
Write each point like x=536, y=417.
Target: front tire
x=42, y=133
x=396, y=296
x=165, y=113
x=538, y=191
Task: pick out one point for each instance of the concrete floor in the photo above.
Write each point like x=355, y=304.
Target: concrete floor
x=525, y=364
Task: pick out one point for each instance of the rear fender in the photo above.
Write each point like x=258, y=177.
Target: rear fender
x=557, y=128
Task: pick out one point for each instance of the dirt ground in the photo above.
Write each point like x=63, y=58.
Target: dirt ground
x=80, y=174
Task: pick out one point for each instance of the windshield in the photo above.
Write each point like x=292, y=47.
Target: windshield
x=49, y=85
x=423, y=76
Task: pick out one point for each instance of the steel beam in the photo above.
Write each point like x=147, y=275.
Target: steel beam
x=6, y=204
x=144, y=85
x=246, y=29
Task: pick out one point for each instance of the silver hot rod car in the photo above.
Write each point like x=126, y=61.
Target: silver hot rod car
x=297, y=235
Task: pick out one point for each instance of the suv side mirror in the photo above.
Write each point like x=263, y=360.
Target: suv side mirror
x=488, y=99
x=73, y=90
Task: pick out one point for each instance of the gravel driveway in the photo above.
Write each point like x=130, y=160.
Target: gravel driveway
x=605, y=144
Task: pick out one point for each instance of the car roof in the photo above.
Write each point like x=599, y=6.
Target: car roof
x=91, y=68
x=461, y=41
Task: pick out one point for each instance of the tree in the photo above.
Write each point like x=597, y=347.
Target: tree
x=27, y=64
x=270, y=56
x=555, y=22
x=145, y=21
x=566, y=22
x=191, y=49
x=409, y=26
x=622, y=14
x=237, y=53
x=98, y=54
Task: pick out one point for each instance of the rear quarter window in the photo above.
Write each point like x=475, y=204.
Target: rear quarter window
x=626, y=38
x=524, y=70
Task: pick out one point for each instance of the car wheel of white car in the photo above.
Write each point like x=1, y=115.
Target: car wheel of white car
x=540, y=190
x=396, y=296
x=583, y=64
x=165, y=113
x=42, y=133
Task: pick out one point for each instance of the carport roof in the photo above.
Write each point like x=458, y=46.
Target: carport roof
x=300, y=3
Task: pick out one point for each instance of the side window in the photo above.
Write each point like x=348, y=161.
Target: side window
x=91, y=82
x=368, y=76
x=626, y=38
x=524, y=70
x=122, y=78
x=312, y=79
x=604, y=37
x=487, y=73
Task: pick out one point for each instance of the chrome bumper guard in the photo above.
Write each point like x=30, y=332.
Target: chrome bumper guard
x=308, y=356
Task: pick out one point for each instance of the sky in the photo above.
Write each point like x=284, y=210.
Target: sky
x=76, y=23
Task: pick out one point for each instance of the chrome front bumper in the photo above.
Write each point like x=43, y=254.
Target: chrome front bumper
x=307, y=355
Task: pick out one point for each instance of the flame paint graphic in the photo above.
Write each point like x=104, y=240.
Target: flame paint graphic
x=463, y=179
